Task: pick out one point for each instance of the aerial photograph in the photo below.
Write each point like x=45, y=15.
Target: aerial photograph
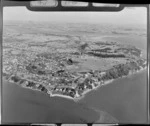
x=74, y=67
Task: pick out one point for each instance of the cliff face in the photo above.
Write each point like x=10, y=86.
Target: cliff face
x=124, y=69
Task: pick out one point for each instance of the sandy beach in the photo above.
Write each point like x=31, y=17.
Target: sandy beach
x=77, y=98
x=63, y=96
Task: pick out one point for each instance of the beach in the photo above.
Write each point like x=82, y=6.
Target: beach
x=123, y=99
x=79, y=97
x=95, y=88
x=74, y=72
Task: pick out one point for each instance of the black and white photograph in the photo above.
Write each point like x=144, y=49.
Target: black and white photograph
x=74, y=62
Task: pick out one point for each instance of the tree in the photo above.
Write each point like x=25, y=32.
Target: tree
x=30, y=84
x=82, y=48
x=89, y=86
x=15, y=78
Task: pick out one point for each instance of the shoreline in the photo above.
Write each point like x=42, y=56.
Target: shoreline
x=76, y=99
x=59, y=95
x=95, y=88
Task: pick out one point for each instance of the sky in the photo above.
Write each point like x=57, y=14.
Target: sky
x=127, y=16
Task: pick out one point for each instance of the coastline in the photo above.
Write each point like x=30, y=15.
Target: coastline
x=77, y=98
x=63, y=96
x=95, y=88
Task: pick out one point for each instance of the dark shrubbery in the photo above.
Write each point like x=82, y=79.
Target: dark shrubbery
x=81, y=86
x=30, y=84
x=22, y=81
x=122, y=70
x=31, y=68
x=134, y=66
x=107, y=55
x=70, y=92
x=43, y=89
x=141, y=63
x=133, y=51
x=4, y=74
x=34, y=69
x=102, y=50
x=69, y=61
x=118, y=71
x=113, y=72
x=45, y=55
x=15, y=78
x=89, y=86
x=40, y=72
